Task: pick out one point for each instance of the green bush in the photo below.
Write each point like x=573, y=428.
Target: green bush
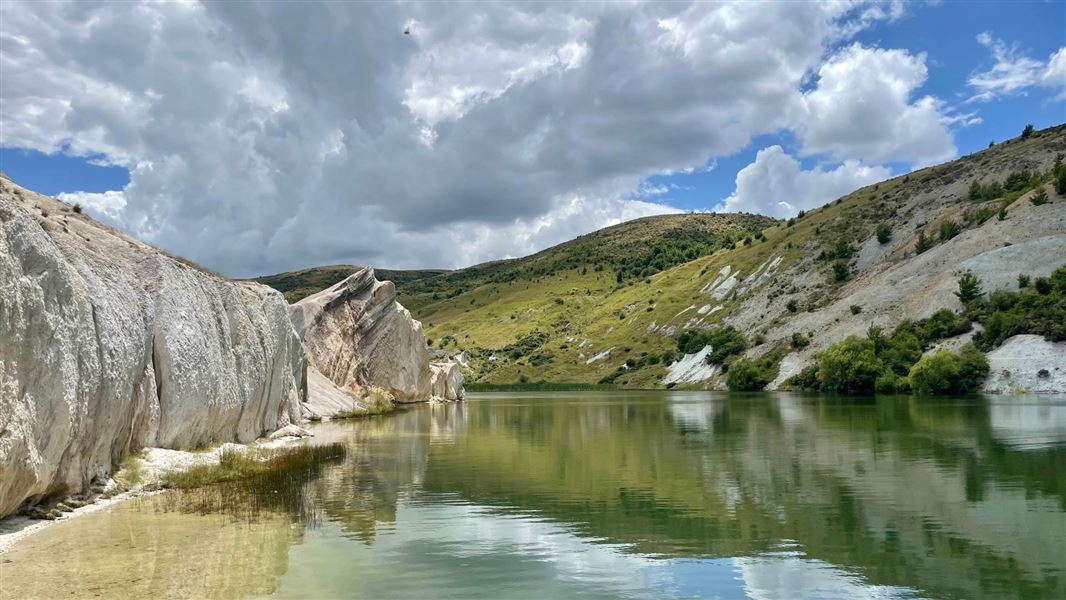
x=1023, y=281
x=1028, y=131
x=969, y=288
x=800, y=341
x=1039, y=198
x=746, y=376
x=923, y=243
x=1039, y=309
x=724, y=342
x=850, y=367
x=840, y=271
x=855, y=309
x=884, y=233
x=934, y=373
x=1060, y=182
x=949, y=229
x=792, y=306
x=944, y=372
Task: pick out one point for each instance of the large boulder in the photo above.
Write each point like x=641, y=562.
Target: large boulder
x=108, y=345
x=356, y=336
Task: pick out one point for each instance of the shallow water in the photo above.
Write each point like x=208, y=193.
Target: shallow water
x=619, y=495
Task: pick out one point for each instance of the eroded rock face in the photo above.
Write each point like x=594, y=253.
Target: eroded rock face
x=108, y=345
x=1027, y=364
x=357, y=335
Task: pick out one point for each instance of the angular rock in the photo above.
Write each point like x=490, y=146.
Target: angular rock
x=356, y=335
x=446, y=381
x=108, y=345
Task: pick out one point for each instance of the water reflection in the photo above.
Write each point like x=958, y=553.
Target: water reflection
x=612, y=495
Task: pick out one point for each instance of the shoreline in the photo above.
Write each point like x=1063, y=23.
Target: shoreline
x=154, y=462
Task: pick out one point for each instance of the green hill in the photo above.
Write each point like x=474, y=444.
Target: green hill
x=611, y=305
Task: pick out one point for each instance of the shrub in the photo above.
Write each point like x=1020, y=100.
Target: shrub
x=884, y=233
x=807, y=379
x=975, y=191
x=969, y=288
x=949, y=229
x=1042, y=285
x=851, y=366
x=922, y=244
x=1060, y=182
x=379, y=400
x=973, y=369
x=1039, y=198
x=746, y=376
x=1002, y=214
x=792, y=306
x=1028, y=131
x=934, y=373
x=840, y=271
x=944, y=372
x=800, y=341
x=1023, y=281
x=856, y=309
x=724, y=342
x=77, y=207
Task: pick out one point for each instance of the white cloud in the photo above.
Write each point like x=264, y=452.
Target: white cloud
x=1014, y=72
x=775, y=184
x=862, y=109
x=105, y=206
x=478, y=135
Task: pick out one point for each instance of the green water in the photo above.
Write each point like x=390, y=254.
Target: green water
x=610, y=495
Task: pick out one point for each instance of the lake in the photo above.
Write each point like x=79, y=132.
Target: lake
x=609, y=495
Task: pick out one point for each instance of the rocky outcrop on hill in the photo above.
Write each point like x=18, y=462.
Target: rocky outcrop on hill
x=356, y=335
x=1027, y=364
x=108, y=345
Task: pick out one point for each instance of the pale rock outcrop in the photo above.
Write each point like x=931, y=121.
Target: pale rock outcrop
x=691, y=368
x=1027, y=364
x=108, y=345
x=356, y=335
x=446, y=381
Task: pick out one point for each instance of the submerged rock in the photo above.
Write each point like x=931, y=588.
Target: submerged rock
x=356, y=335
x=108, y=345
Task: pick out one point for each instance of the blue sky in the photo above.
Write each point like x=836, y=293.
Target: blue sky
x=947, y=33
x=498, y=129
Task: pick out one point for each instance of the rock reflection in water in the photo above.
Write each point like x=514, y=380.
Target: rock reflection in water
x=655, y=495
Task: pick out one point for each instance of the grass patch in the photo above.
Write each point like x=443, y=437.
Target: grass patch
x=538, y=386
x=235, y=465
x=128, y=475
x=379, y=401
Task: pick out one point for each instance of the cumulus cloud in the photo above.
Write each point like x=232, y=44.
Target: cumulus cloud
x=1014, y=72
x=270, y=136
x=862, y=108
x=105, y=206
x=777, y=185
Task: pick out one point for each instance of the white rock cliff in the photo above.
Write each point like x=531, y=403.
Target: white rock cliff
x=356, y=335
x=108, y=345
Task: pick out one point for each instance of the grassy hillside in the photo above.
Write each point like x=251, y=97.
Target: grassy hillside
x=611, y=305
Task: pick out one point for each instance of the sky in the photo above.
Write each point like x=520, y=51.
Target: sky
x=255, y=138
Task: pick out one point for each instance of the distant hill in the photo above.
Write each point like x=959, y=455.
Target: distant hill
x=610, y=305
x=297, y=285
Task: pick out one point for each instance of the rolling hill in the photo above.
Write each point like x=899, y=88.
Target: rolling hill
x=611, y=305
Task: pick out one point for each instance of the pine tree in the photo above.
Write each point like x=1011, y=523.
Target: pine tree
x=969, y=288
